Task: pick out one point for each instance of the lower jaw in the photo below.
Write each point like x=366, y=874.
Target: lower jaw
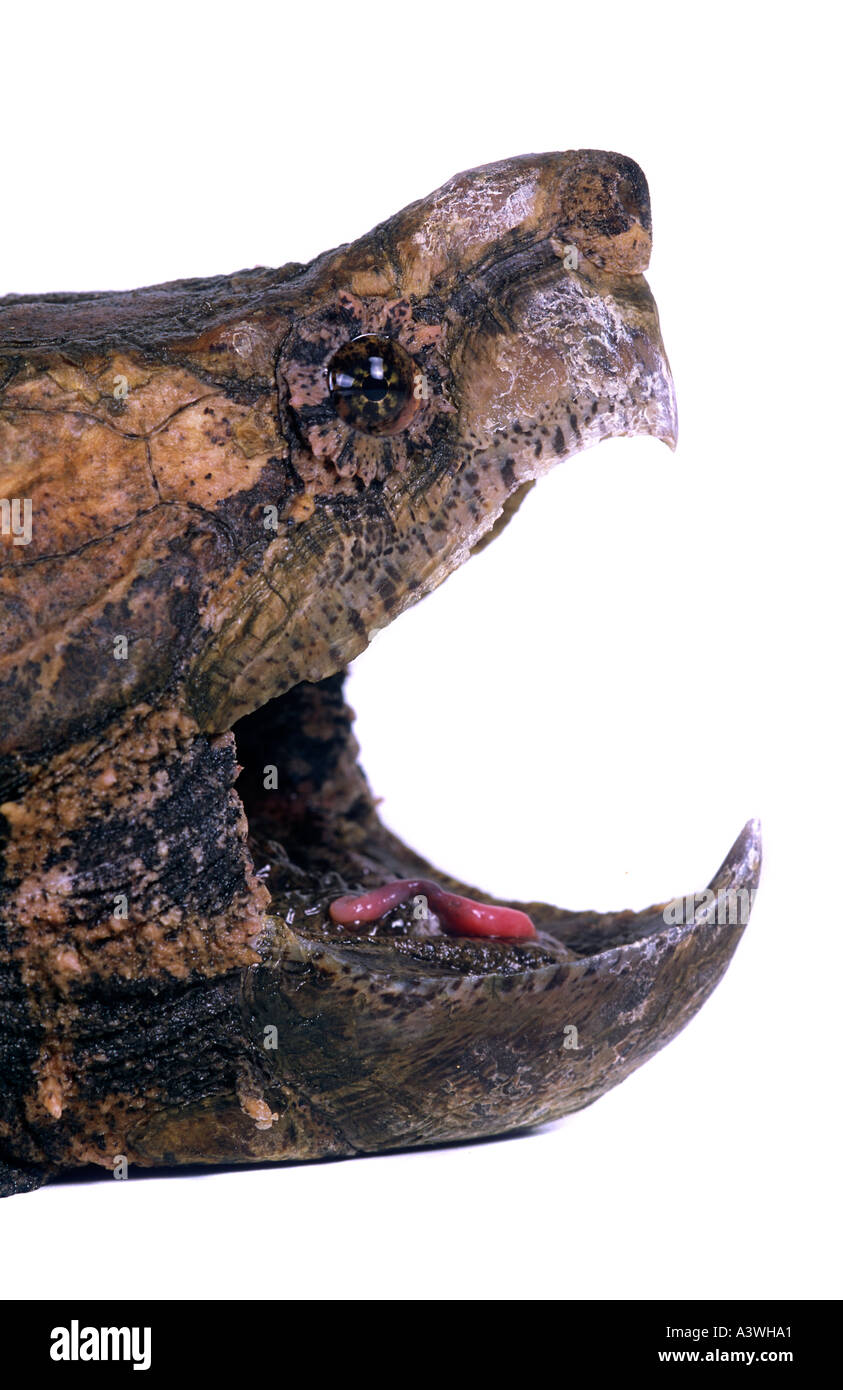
x=359, y=1043
x=346, y=1041
x=343, y=1041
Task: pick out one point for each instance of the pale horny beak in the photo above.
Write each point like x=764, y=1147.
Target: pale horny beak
x=581, y=359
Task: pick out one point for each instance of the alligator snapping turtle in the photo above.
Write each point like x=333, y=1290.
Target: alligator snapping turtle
x=214, y=492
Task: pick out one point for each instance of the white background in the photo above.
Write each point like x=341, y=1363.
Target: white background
x=657, y=633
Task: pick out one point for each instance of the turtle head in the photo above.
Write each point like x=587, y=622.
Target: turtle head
x=430, y=373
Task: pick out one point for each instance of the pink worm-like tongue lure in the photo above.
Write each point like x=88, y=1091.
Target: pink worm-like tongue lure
x=460, y=916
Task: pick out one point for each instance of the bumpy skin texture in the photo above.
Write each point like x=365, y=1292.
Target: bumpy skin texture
x=211, y=544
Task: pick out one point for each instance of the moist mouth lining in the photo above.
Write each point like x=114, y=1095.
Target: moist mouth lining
x=315, y=835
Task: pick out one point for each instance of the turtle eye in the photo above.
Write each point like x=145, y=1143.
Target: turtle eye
x=372, y=385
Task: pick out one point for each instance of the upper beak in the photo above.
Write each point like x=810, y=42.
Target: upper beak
x=570, y=357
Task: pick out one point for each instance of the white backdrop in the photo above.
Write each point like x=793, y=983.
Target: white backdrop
x=661, y=630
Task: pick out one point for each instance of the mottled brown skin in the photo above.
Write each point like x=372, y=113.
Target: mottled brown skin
x=161, y=907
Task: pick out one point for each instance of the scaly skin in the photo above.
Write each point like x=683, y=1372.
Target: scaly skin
x=211, y=544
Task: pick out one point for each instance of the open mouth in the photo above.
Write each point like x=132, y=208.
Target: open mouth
x=337, y=874
x=318, y=843
x=402, y=1029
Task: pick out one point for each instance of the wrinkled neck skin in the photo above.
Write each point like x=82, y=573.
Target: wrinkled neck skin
x=180, y=794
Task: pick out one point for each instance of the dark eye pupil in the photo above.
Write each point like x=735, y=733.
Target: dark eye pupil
x=371, y=381
x=374, y=386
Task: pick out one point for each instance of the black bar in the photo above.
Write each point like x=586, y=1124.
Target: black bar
x=295, y=1342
